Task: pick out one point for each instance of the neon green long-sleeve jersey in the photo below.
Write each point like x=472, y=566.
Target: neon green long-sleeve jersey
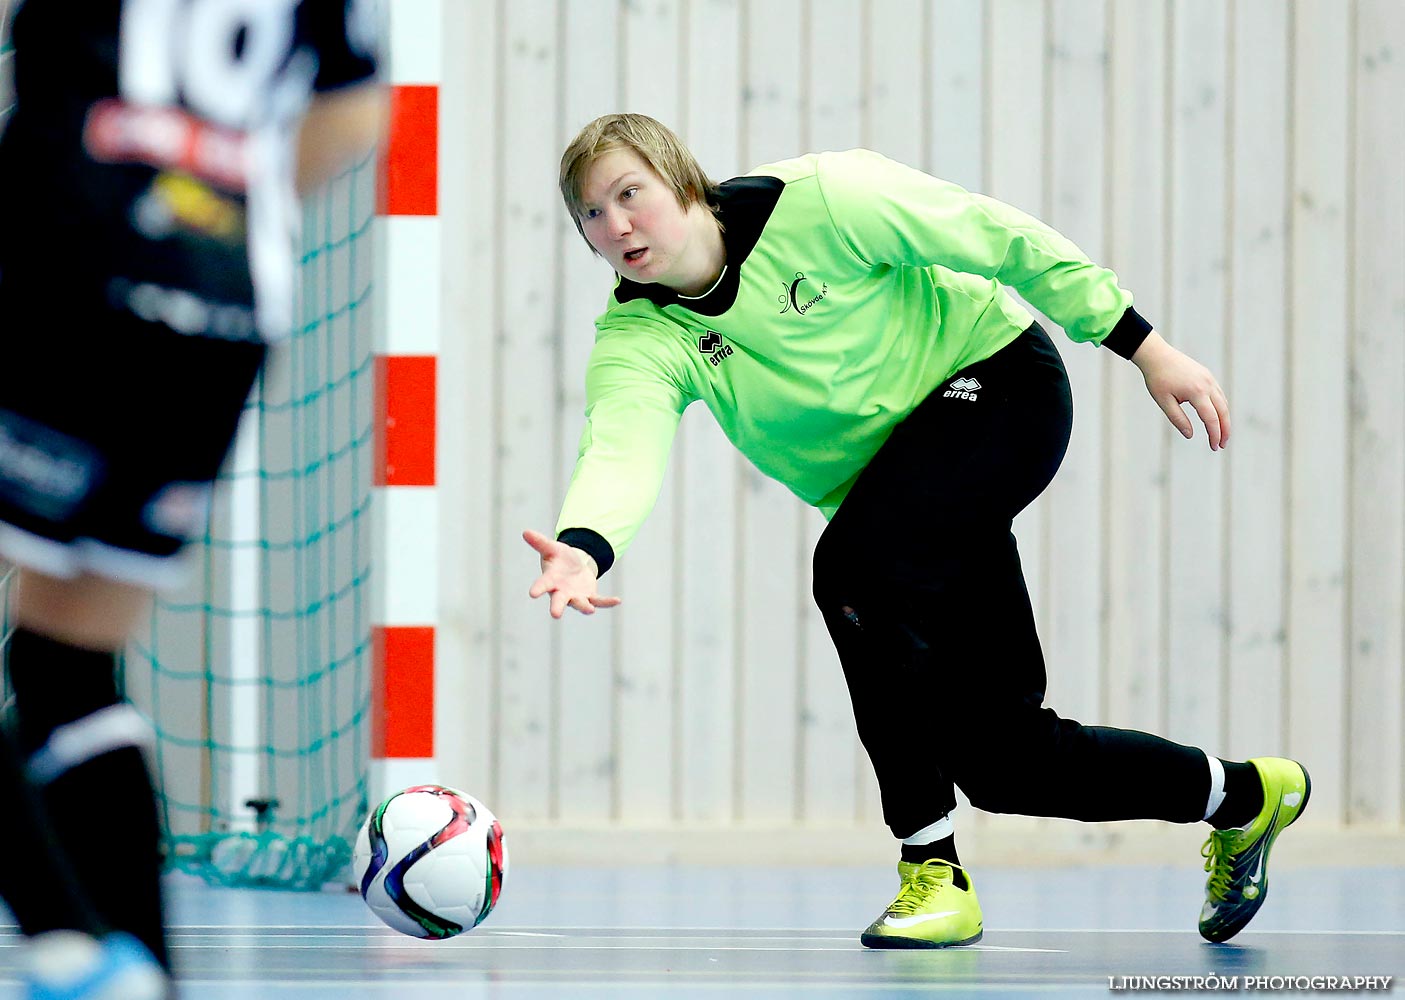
x=854, y=286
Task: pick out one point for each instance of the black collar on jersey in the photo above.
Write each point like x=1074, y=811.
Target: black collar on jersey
x=744, y=206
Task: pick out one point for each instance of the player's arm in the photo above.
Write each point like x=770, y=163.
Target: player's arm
x=634, y=400
x=340, y=126
x=349, y=110
x=889, y=213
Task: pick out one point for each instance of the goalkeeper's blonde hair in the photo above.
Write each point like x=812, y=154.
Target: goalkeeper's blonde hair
x=655, y=143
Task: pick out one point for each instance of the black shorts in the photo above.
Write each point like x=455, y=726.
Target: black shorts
x=112, y=431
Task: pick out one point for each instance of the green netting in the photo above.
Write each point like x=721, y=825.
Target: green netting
x=257, y=675
x=6, y=92
x=7, y=581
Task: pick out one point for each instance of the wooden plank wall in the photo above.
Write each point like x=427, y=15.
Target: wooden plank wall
x=1238, y=162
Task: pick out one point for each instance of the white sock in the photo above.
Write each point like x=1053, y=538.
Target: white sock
x=944, y=827
x=1216, y=786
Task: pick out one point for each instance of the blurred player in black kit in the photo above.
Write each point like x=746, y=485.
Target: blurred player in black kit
x=150, y=173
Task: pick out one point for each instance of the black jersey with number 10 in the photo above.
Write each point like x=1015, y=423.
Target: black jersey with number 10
x=150, y=155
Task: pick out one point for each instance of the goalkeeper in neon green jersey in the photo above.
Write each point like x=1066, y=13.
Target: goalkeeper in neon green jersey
x=846, y=320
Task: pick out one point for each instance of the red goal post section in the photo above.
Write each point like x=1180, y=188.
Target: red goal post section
x=408, y=321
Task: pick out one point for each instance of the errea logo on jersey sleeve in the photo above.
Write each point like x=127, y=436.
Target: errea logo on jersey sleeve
x=711, y=346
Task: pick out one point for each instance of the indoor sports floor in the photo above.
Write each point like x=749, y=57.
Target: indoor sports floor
x=684, y=932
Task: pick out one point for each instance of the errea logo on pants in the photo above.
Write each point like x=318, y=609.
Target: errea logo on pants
x=962, y=388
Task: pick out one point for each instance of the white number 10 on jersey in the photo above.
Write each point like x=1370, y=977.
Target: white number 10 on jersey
x=219, y=58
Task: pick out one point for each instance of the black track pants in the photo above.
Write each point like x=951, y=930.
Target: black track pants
x=919, y=582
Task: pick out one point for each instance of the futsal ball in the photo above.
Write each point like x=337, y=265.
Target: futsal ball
x=430, y=861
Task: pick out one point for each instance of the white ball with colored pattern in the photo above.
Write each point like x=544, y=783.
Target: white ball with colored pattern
x=430, y=861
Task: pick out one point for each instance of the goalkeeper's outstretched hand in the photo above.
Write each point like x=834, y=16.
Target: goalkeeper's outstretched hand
x=568, y=574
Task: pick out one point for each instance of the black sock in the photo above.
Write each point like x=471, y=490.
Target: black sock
x=37, y=884
x=118, y=863
x=1243, y=796
x=941, y=850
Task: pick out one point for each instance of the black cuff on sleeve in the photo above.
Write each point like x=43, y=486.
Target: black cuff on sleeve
x=590, y=541
x=1128, y=334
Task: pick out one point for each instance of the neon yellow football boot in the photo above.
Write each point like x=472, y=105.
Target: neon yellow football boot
x=1237, y=860
x=929, y=911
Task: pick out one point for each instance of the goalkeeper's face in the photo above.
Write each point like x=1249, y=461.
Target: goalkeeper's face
x=633, y=218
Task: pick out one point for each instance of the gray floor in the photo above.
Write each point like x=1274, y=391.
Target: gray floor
x=754, y=932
